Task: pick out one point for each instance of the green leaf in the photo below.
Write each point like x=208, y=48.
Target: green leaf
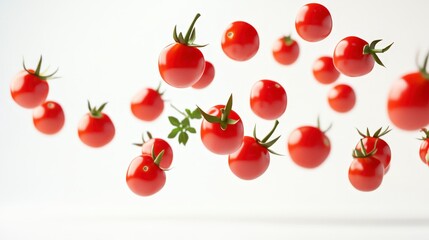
x=174, y=121
x=183, y=138
x=191, y=130
x=174, y=132
x=188, y=112
x=185, y=123
x=196, y=114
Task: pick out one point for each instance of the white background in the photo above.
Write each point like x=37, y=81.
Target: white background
x=108, y=50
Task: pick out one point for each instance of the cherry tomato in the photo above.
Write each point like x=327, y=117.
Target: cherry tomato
x=366, y=174
x=222, y=130
x=30, y=89
x=144, y=176
x=313, y=22
x=48, y=118
x=206, y=78
x=268, y=99
x=371, y=142
x=308, y=146
x=424, y=147
x=408, y=100
x=147, y=105
x=240, y=41
x=354, y=57
x=342, y=98
x=286, y=50
x=324, y=70
x=95, y=128
x=182, y=64
x=157, y=145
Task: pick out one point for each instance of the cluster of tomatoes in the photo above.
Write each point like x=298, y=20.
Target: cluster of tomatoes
x=182, y=65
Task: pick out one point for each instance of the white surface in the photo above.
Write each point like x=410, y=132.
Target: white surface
x=108, y=50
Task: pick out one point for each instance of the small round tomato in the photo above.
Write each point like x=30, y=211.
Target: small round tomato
x=268, y=99
x=95, y=128
x=366, y=173
x=408, y=100
x=222, y=130
x=144, y=176
x=156, y=146
x=342, y=98
x=48, y=118
x=30, y=89
x=206, y=78
x=182, y=64
x=308, y=146
x=240, y=41
x=424, y=147
x=324, y=70
x=286, y=50
x=147, y=104
x=354, y=57
x=313, y=22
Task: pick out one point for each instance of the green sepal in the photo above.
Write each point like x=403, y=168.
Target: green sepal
x=38, y=69
x=370, y=49
x=96, y=112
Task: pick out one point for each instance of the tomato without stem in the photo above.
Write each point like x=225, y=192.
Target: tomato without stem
x=49, y=118
x=240, y=41
x=324, y=70
x=342, y=98
x=366, y=174
x=268, y=99
x=147, y=104
x=206, y=78
x=285, y=50
x=313, y=22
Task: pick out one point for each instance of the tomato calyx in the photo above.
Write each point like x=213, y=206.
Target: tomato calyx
x=362, y=153
x=422, y=68
x=379, y=133
x=149, y=135
x=157, y=159
x=370, y=49
x=319, y=126
x=38, y=69
x=96, y=112
x=288, y=40
x=264, y=142
x=223, y=120
x=183, y=127
x=426, y=136
x=190, y=36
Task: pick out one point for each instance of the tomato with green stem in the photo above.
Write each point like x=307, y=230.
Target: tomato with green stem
x=371, y=142
x=182, y=64
x=145, y=176
x=147, y=104
x=354, y=57
x=95, y=128
x=342, y=98
x=309, y=146
x=408, y=100
x=222, y=129
x=313, y=22
x=240, y=41
x=324, y=70
x=268, y=99
x=252, y=159
x=286, y=50
x=48, y=118
x=207, y=77
x=365, y=172
x=30, y=88
x=156, y=145
x=424, y=147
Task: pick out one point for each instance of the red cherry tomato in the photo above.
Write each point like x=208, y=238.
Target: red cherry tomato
x=147, y=105
x=354, y=57
x=268, y=99
x=313, y=22
x=286, y=50
x=408, y=100
x=158, y=145
x=30, y=89
x=308, y=146
x=240, y=41
x=342, y=98
x=49, y=118
x=371, y=142
x=324, y=70
x=182, y=64
x=144, y=177
x=206, y=78
x=424, y=147
x=366, y=174
x=95, y=128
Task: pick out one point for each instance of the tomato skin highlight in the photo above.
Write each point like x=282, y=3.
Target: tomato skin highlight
x=147, y=105
x=342, y=98
x=308, y=146
x=383, y=153
x=158, y=144
x=349, y=58
x=284, y=52
x=48, y=118
x=206, y=78
x=324, y=70
x=250, y=161
x=29, y=91
x=180, y=65
x=268, y=99
x=240, y=41
x=96, y=132
x=366, y=174
x=144, y=177
x=313, y=22
x=220, y=141
x=408, y=102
